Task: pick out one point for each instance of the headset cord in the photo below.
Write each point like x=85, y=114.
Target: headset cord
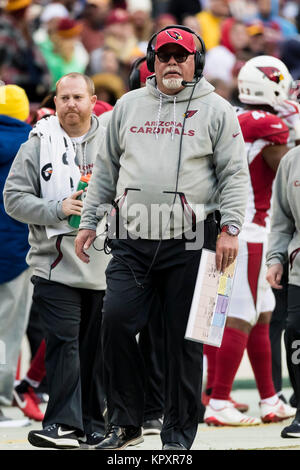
x=97, y=236
x=176, y=186
x=106, y=249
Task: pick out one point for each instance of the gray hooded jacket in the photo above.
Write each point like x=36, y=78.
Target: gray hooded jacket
x=144, y=141
x=53, y=258
x=284, y=236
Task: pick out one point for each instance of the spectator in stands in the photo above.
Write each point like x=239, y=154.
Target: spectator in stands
x=93, y=19
x=268, y=13
x=180, y=9
x=103, y=60
x=220, y=60
x=108, y=87
x=257, y=42
x=140, y=15
x=53, y=10
x=63, y=51
x=64, y=7
x=163, y=20
x=21, y=62
x=191, y=22
x=120, y=36
x=211, y=20
x=290, y=54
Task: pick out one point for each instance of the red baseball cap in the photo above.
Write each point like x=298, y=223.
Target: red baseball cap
x=176, y=36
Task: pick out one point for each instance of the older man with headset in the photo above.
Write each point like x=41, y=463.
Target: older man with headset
x=173, y=155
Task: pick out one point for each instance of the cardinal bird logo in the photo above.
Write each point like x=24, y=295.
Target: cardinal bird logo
x=174, y=35
x=272, y=73
x=191, y=113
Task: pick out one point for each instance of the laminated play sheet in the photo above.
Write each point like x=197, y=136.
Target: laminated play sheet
x=210, y=302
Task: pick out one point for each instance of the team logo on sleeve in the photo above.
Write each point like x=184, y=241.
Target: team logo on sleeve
x=272, y=73
x=47, y=171
x=174, y=35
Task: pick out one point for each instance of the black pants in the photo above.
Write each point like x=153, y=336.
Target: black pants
x=35, y=335
x=277, y=327
x=292, y=340
x=126, y=311
x=151, y=343
x=34, y=331
x=71, y=320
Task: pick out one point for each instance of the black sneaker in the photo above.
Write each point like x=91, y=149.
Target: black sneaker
x=54, y=436
x=173, y=446
x=293, y=430
x=152, y=426
x=90, y=441
x=118, y=437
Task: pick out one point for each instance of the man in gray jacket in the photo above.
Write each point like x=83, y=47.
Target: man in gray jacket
x=41, y=191
x=174, y=153
x=284, y=246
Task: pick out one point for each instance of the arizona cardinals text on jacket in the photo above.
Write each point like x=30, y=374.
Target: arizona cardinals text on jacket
x=142, y=150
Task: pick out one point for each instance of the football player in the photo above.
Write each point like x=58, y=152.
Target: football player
x=264, y=85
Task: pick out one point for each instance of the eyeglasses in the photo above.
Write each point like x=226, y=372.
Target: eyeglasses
x=179, y=56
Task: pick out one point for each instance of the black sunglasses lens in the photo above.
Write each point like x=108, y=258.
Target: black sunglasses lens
x=164, y=57
x=180, y=58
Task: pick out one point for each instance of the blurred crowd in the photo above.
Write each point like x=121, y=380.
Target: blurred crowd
x=40, y=40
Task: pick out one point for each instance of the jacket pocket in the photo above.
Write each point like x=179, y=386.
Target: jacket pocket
x=293, y=256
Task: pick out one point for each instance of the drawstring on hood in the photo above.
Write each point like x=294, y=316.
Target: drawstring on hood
x=80, y=149
x=158, y=116
x=84, y=159
x=202, y=88
x=174, y=118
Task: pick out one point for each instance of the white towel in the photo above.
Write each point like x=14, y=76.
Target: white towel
x=59, y=174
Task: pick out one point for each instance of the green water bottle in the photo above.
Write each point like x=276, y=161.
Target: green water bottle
x=74, y=220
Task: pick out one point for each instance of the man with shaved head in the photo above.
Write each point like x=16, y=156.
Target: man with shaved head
x=41, y=190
